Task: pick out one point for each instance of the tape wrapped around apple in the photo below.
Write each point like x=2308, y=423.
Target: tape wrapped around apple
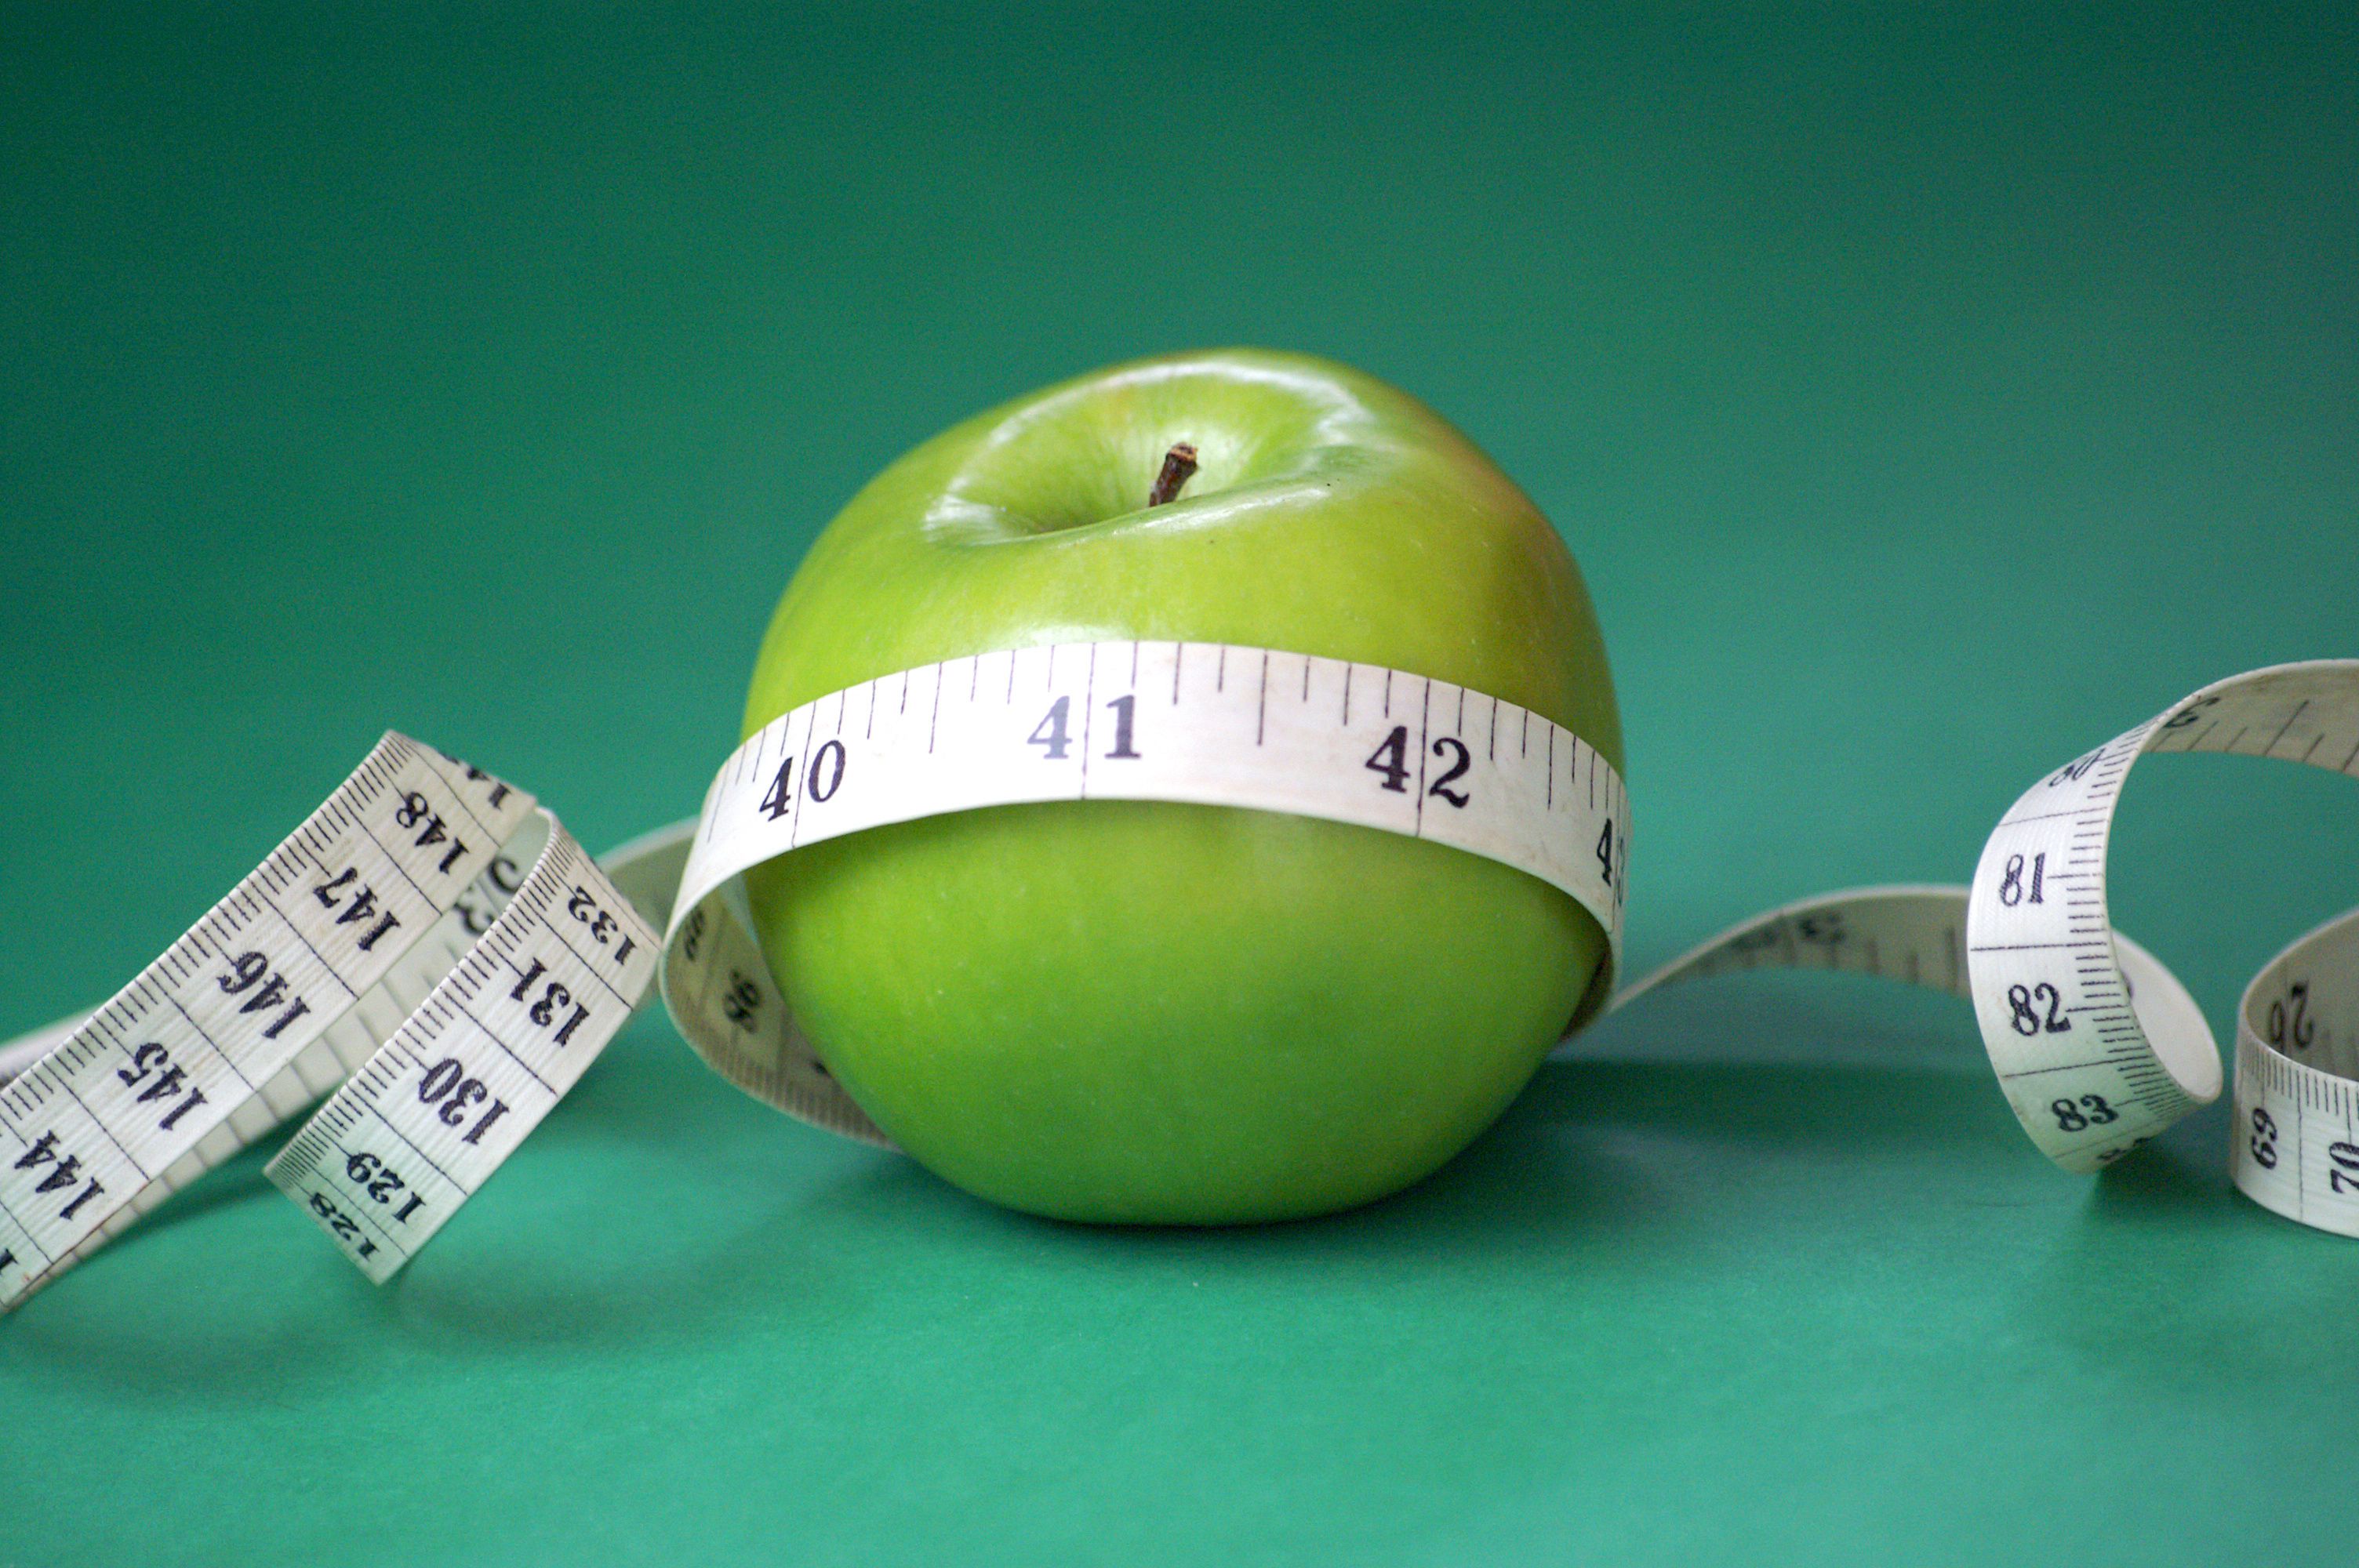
x=1146, y=1012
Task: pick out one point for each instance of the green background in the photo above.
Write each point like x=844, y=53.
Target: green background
x=1927, y=397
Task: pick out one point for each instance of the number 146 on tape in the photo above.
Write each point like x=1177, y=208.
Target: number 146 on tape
x=430, y=937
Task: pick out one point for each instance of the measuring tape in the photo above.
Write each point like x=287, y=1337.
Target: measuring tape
x=390, y=938
x=2096, y=1044
x=1205, y=722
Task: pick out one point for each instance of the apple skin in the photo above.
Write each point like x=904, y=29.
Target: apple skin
x=1150, y=1011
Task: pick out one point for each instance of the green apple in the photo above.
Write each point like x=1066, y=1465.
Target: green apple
x=1136, y=1011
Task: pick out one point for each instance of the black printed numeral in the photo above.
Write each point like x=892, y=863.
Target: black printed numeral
x=356, y=907
x=826, y=775
x=251, y=972
x=1050, y=733
x=1444, y=746
x=741, y=1002
x=781, y=797
x=2026, y=1014
x=378, y=1180
x=2013, y=890
x=2343, y=1168
x=584, y=908
x=2289, y=1020
x=447, y=1088
x=1124, y=710
x=2092, y=1112
x=2263, y=1139
x=554, y=998
x=416, y=811
x=342, y=1225
x=824, y=778
x=1391, y=760
x=2075, y=770
x=43, y=1151
x=152, y=1061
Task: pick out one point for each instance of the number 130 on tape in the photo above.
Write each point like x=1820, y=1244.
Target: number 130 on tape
x=430, y=938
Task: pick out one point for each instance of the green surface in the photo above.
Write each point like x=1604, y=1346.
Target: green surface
x=1852, y=357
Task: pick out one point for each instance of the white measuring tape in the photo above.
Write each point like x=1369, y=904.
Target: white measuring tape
x=391, y=938
x=2097, y=1045
x=1205, y=722
x=388, y=937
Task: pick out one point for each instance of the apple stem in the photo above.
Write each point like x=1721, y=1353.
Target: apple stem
x=1178, y=464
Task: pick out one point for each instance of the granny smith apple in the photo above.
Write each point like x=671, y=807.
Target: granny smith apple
x=1135, y=1011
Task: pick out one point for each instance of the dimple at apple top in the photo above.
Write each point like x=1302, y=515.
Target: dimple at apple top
x=1923, y=397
